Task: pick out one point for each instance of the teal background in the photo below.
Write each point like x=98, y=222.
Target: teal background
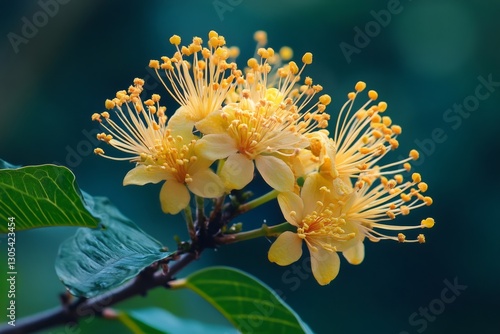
x=426, y=59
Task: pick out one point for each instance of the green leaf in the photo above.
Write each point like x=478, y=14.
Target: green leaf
x=160, y=321
x=41, y=196
x=97, y=260
x=250, y=305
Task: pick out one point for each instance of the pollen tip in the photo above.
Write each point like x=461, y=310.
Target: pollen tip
x=373, y=95
x=360, y=86
x=307, y=58
x=414, y=154
x=154, y=64
x=401, y=237
x=175, y=40
x=428, y=222
x=98, y=151
x=109, y=104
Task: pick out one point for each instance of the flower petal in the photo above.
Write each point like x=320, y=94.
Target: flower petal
x=286, y=249
x=355, y=254
x=180, y=125
x=290, y=202
x=206, y=184
x=216, y=146
x=174, y=197
x=212, y=123
x=275, y=172
x=325, y=265
x=237, y=171
x=141, y=175
x=310, y=192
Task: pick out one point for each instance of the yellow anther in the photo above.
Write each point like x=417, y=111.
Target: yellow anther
x=294, y=69
x=109, y=104
x=98, y=151
x=391, y=183
x=414, y=154
x=364, y=150
x=185, y=51
x=139, y=82
x=398, y=178
x=105, y=114
x=429, y=222
x=390, y=214
x=404, y=210
x=407, y=166
x=396, y=129
x=96, y=117
x=373, y=95
x=263, y=53
x=382, y=106
x=405, y=197
x=307, y=58
x=428, y=200
x=154, y=64
x=422, y=186
x=260, y=37
x=325, y=99
x=175, y=40
x=212, y=34
x=360, y=86
x=401, y=237
x=286, y=53
x=197, y=41
x=416, y=177
x=234, y=52
x=252, y=63
x=351, y=95
x=421, y=238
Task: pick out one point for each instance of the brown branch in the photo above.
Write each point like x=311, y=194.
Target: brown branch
x=69, y=314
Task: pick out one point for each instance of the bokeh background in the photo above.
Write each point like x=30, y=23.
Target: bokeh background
x=429, y=56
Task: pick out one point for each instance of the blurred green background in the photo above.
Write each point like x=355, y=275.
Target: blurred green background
x=424, y=58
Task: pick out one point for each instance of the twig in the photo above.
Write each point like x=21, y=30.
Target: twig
x=71, y=313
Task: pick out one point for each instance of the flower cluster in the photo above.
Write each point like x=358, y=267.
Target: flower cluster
x=268, y=117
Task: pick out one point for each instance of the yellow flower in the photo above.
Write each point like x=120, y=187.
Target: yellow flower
x=162, y=151
x=346, y=196
x=318, y=225
x=360, y=142
x=265, y=120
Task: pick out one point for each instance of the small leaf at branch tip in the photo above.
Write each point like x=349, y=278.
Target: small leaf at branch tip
x=178, y=283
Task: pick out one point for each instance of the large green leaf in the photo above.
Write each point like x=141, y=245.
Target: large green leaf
x=250, y=305
x=96, y=260
x=41, y=196
x=160, y=321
